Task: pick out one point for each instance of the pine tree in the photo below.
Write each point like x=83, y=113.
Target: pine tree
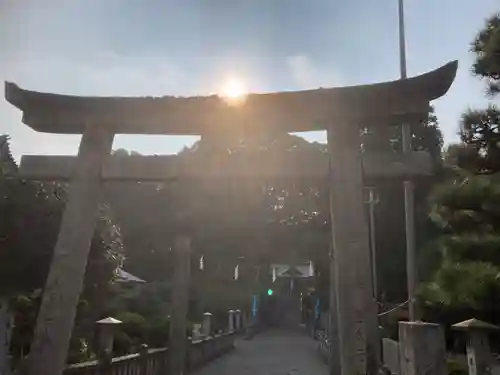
x=466, y=207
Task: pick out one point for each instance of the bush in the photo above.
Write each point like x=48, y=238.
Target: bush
x=158, y=330
x=133, y=328
x=456, y=367
x=123, y=344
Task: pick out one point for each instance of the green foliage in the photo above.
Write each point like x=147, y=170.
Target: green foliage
x=480, y=132
x=471, y=285
x=133, y=324
x=466, y=207
x=7, y=164
x=149, y=300
x=486, y=46
x=473, y=247
x=426, y=136
x=80, y=350
x=471, y=203
x=429, y=137
x=144, y=310
x=456, y=367
x=457, y=157
x=30, y=215
x=157, y=330
x=467, y=277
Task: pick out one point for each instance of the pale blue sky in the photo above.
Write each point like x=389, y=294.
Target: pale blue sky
x=186, y=47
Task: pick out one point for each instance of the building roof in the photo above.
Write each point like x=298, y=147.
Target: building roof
x=292, y=111
x=287, y=270
x=125, y=277
x=474, y=324
x=109, y=320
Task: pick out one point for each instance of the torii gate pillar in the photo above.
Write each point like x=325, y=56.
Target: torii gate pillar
x=356, y=311
x=65, y=280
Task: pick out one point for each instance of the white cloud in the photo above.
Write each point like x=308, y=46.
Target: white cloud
x=306, y=75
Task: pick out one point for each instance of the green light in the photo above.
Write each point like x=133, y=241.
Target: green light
x=270, y=292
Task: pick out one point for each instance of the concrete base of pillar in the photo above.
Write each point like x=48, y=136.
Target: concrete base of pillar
x=422, y=349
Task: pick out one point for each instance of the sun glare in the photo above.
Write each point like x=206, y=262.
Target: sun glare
x=234, y=89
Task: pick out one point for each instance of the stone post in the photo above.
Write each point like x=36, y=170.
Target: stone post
x=237, y=321
x=332, y=331
x=352, y=305
x=317, y=316
x=106, y=331
x=196, y=331
x=143, y=358
x=422, y=349
x=206, y=327
x=230, y=315
x=64, y=283
x=244, y=320
x=178, y=323
x=479, y=357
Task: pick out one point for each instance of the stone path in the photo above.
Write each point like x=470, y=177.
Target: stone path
x=270, y=353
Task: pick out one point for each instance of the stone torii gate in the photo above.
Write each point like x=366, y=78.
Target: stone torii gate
x=341, y=111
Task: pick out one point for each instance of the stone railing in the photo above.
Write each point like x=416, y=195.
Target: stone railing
x=155, y=361
x=206, y=350
x=147, y=362
x=202, y=348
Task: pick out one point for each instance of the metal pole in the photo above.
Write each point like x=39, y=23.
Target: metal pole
x=372, y=201
x=402, y=39
x=371, y=209
x=409, y=197
x=409, y=194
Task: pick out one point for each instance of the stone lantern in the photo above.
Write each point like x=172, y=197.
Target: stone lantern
x=207, y=324
x=479, y=357
x=237, y=320
x=106, y=330
x=230, y=323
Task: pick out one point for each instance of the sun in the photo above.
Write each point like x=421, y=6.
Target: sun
x=234, y=89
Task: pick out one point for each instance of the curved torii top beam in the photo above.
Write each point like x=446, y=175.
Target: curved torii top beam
x=381, y=103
